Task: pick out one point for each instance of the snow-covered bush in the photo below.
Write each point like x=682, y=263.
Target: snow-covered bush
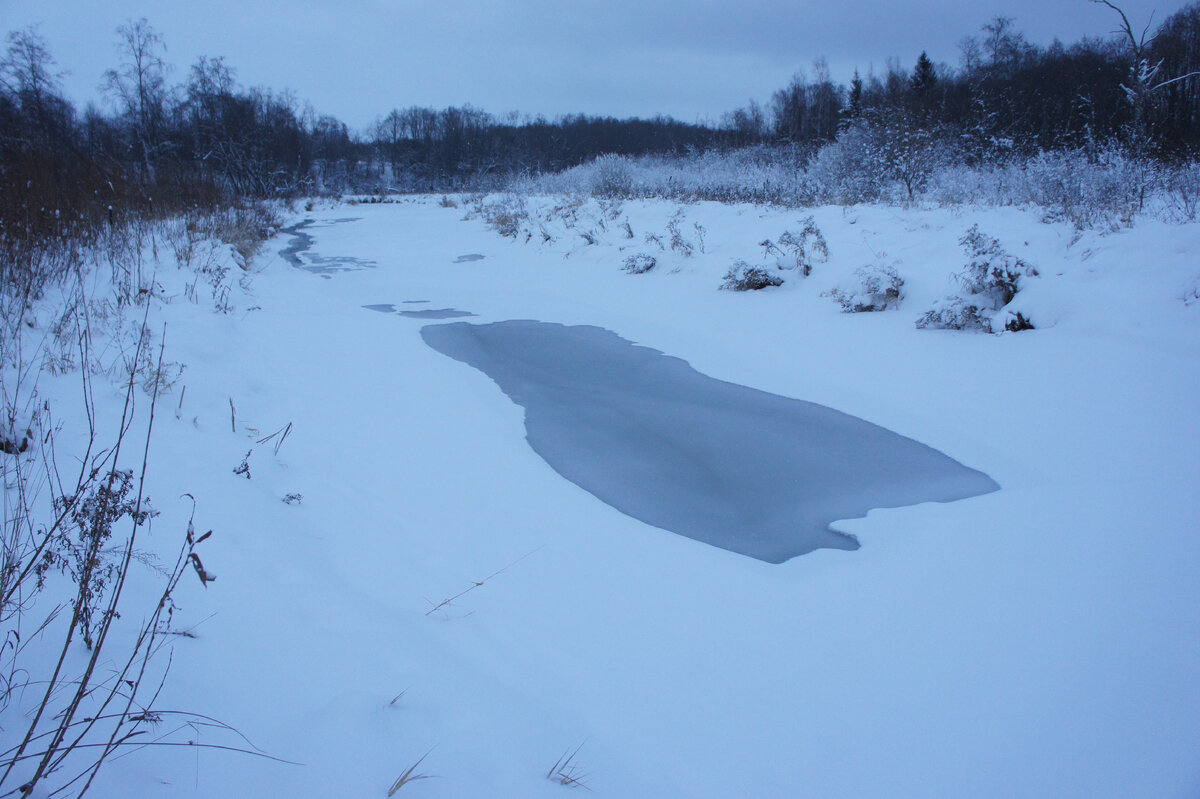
x=1183, y=193
x=610, y=176
x=679, y=243
x=991, y=272
x=764, y=175
x=876, y=288
x=743, y=277
x=955, y=313
x=987, y=284
x=505, y=214
x=639, y=264
x=1104, y=187
x=845, y=171
x=801, y=250
x=892, y=154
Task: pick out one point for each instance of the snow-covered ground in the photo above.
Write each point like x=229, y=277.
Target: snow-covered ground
x=1039, y=641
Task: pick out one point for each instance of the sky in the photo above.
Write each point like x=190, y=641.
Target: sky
x=690, y=59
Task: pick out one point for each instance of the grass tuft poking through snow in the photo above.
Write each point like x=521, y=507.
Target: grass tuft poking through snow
x=409, y=776
x=566, y=771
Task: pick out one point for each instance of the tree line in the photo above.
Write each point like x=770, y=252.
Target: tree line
x=159, y=147
x=1009, y=95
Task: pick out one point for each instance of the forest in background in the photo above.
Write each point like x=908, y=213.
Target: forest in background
x=160, y=147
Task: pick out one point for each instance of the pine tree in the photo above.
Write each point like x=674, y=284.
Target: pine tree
x=854, y=106
x=923, y=77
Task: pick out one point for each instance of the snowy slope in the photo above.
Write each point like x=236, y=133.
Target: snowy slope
x=1039, y=641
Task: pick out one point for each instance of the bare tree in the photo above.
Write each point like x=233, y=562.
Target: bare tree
x=139, y=87
x=389, y=136
x=1144, y=78
x=26, y=71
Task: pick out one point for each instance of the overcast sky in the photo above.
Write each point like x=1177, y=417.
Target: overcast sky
x=690, y=59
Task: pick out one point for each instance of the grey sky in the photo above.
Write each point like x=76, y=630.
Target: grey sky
x=693, y=60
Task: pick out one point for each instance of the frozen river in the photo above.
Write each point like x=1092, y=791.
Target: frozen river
x=734, y=467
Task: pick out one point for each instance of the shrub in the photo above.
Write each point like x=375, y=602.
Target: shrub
x=610, y=177
x=988, y=283
x=678, y=243
x=504, y=215
x=1103, y=188
x=844, y=171
x=1183, y=193
x=639, y=264
x=877, y=288
x=888, y=153
x=955, y=313
x=991, y=273
x=245, y=229
x=801, y=250
x=764, y=174
x=743, y=277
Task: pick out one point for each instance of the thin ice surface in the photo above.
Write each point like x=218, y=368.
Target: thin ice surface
x=437, y=313
x=300, y=248
x=731, y=466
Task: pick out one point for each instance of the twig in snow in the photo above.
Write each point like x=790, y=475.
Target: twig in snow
x=477, y=584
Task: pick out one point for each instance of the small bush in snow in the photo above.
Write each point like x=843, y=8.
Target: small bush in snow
x=1183, y=193
x=639, y=264
x=955, y=313
x=988, y=283
x=845, y=171
x=743, y=277
x=611, y=176
x=991, y=273
x=888, y=152
x=798, y=250
x=678, y=243
x=877, y=288
x=806, y=247
x=505, y=215
x=1101, y=188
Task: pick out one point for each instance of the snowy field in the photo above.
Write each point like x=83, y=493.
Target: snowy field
x=1042, y=640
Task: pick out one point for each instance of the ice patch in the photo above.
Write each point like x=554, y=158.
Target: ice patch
x=473, y=256
x=437, y=313
x=738, y=468
x=298, y=252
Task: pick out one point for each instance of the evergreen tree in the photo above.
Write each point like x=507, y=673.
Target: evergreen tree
x=854, y=102
x=923, y=77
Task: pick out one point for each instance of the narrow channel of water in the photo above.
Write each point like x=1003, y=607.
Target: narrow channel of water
x=299, y=252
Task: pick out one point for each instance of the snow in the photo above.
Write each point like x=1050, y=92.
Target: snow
x=1040, y=640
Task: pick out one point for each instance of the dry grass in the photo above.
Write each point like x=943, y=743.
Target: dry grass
x=408, y=776
x=566, y=771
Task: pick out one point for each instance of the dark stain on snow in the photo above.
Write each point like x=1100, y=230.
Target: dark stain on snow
x=740, y=469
